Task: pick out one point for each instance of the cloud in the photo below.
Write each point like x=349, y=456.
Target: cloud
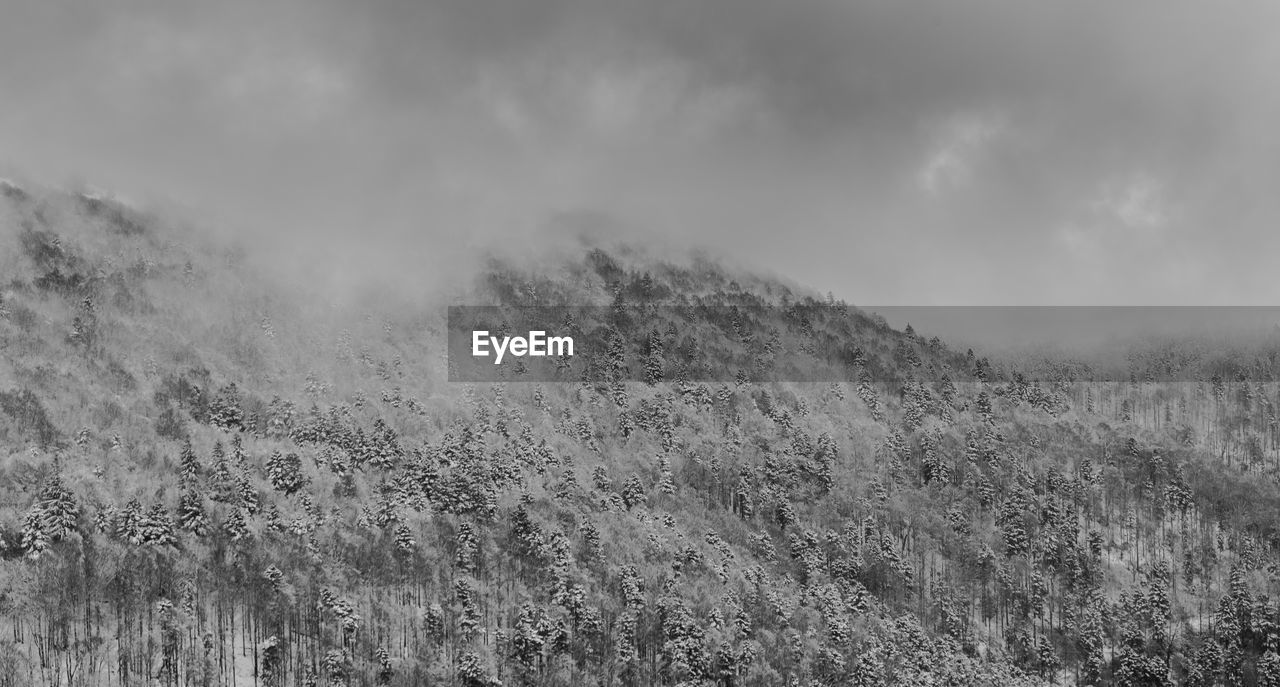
x=254, y=83
x=799, y=137
x=1137, y=202
x=963, y=139
x=611, y=102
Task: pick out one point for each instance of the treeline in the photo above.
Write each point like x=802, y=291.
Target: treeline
x=938, y=519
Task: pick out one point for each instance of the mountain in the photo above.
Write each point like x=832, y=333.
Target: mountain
x=209, y=475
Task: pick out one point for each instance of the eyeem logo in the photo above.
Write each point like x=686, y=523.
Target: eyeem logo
x=536, y=345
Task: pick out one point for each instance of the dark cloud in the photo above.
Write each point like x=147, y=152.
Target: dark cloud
x=990, y=151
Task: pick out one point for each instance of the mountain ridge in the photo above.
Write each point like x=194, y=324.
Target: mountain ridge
x=207, y=478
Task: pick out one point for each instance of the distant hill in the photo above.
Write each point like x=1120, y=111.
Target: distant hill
x=209, y=476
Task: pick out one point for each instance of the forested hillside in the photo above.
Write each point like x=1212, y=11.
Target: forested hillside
x=207, y=478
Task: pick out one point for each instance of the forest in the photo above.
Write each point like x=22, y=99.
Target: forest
x=208, y=479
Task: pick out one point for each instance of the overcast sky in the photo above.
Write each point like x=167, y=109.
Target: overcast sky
x=924, y=152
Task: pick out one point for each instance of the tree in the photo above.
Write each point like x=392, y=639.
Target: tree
x=530, y=634
x=684, y=651
x=983, y=407
x=84, y=326
x=632, y=491
x=624, y=646
x=35, y=538
x=285, y=472
x=52, y=518
x=1269, y=669
x=937, y=467
x=653, y=360
x=222, y=483
x=472, y=673
x=467, y=547
x=867, y=393
x=666, y=483
x=156, y=527
x=236, y=527
x=405, y=542
x=225, y=409
x=191, y=513
x=190, y=465
x=385, y=671
x=60, y=510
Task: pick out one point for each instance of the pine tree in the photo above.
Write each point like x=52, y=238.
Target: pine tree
x=225, y=409
x=190, y=465
x=467, y=547
x=59, y=510
x=615, y=357
x=912, y=412
x=986, y=491
x=128, y=523
x=530, y=634
x=472, y=673
x=624, y=646
x=684, y=650
x=895, y=448
x=1269, y=669
x=592, y=549
x=666, y=482
x=937, y=467
x=157, y=527
x=868, y=395
x=385, y=672
x=785, y=513
x=247, y=495
x=191, y=513
x=236, y=527
x=285, y=472
x=632, y=491
x=84, y=325
x=35, y=538
x=653, y=361
x=600, y=478
x=404, y=538
x=983, y=407
x=222, y=484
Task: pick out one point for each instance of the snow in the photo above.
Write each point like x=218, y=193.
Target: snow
x=104, y=196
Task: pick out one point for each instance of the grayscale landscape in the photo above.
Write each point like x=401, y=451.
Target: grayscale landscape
x=913, y=343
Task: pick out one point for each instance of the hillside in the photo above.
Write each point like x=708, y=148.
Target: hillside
x=209, y=477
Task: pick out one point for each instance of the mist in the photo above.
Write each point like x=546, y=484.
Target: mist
x=990, y=153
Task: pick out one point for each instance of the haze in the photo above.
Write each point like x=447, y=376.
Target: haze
x=924, y=153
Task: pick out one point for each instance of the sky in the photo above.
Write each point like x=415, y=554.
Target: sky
x=934, y=152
